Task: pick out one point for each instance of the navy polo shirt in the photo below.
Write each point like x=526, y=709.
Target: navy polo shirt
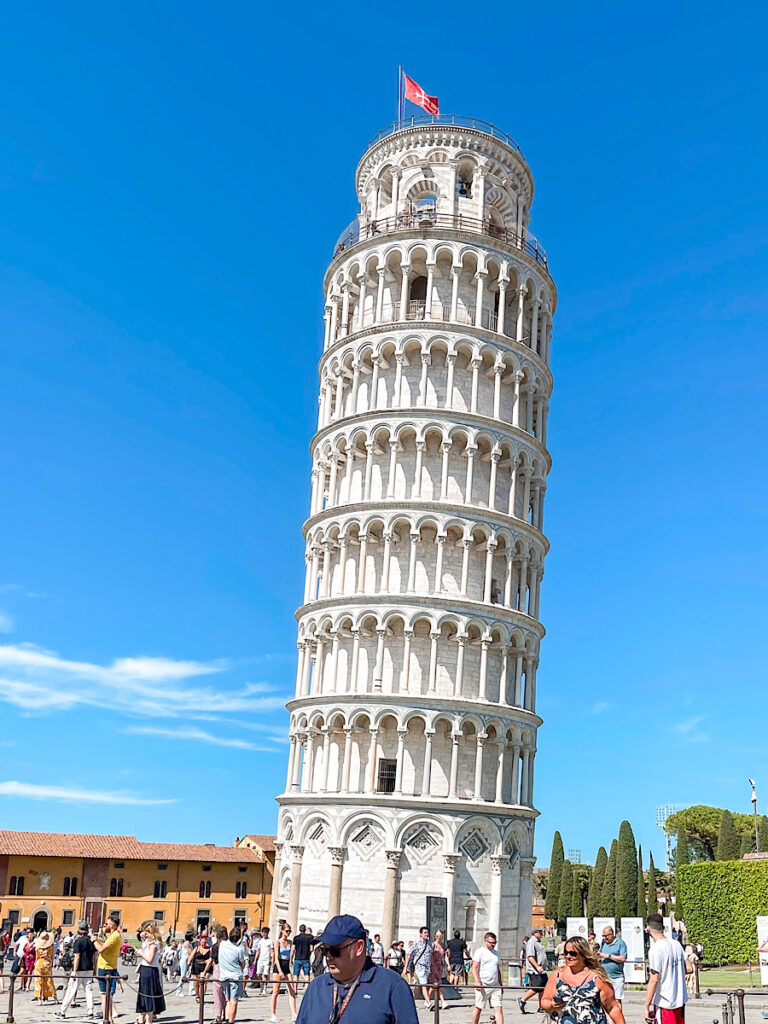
x=382, y=997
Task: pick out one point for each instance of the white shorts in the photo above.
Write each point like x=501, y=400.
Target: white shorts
x=262, y=967
x=422, y=973
x=618, y=986
x=487, y=997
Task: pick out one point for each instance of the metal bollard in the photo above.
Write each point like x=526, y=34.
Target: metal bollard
x=437, y=1003
x=108, y=998
x=10, y=999
x=740, y=1000
x=201, y=1012
x=696, y=981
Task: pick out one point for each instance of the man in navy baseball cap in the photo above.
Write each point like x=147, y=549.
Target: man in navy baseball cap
x=354, y=988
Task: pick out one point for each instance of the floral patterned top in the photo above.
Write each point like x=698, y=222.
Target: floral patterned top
x=582, y=1002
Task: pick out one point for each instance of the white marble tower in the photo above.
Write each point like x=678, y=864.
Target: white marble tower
x=413, y=727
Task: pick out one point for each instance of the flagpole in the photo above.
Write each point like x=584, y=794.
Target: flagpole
x=399, y=93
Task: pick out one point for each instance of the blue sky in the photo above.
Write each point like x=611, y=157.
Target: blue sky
x=172, y=180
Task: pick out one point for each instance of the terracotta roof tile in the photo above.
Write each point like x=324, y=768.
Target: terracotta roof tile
x=266, y=843
x=60, y=844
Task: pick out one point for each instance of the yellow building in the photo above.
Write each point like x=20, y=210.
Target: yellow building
x=49, y=879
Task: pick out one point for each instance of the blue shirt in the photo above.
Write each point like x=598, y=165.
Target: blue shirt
x=382, y=997
x=616, y=948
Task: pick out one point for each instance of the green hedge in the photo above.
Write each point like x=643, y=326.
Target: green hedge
x=719, y=901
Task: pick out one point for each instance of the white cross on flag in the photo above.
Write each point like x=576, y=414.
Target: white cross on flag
x=416, y=94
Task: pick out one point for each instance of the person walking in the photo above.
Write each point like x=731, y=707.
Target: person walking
x=233, y=961
x=29, y=955
x=613, y=956
x=264, y=959
x=666, y=986
x=150, y=999
x=486, y=971
x=281, y=972
x=690, y=975
x=301, y=952
x=437, y=970
x=200, y=966
x=185, y=955
x=45, y=988
x=354, y=987
x=377, y=951
x=580, y=992
x=421, y=957
x=536, y=965
x=395, y=959
x=84, y=953
x=219, y=1002
x=108, y=948
x=457, y=954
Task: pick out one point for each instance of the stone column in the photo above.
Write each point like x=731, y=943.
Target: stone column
x=352, y=688
x=502, y=305
x=401, y=734
x=512, y=487
x=475, y=382
x=403, y=310
x=535, y=325
x=404, y=682
x=381, y=271
x=451, y=362
x=454, y=777
x=495, y=456
x=450, y=860
x=456, y=273
x=389, y=922
x=425, y=363
x=412, y=563
x=370, y=771
x=481, y=737
x=337, y=867
x=445, y=448
x=275, y=886
x=499, y=770
x=494, y=910
x=373, y=397
x=368, y=470
x=470, y=452
x=516, y=407
x=326, y=758
x=416, y=491
x=432, y=685
x=467, y=542
x=297, y=853
x=295, y=776
x=515, y=774
x=392, y=469
x=525, y=899
x=480, y=277
x=398, y=380
x=361, y=563
x=426, y=775
x=385, y=561
x=378, y=670
x=347, y=764
x=430, y=285
x=520, y=325
x=438, y=588
x=483, y=669
x=461, y=639
x=490, y=547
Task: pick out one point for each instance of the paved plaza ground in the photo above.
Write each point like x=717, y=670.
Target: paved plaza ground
x=185, y=1010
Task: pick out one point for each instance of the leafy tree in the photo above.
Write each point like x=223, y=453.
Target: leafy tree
x=728, y=843
x=626, y=872
x=682, y=854
x=653, y=900
x=566, y=893
x=640, y=884
x=747, y=844
x=701, y=825
x=608, y=892
x=762, y=834
x=596, y=883
x=555, y=876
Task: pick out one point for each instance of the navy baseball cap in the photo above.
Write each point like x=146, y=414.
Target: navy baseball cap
x=342, y=927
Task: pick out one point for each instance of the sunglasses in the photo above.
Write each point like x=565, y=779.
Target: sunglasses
x=335, y=950
x=571, y=952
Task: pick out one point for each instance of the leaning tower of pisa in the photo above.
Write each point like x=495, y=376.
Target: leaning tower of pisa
x=413, y=726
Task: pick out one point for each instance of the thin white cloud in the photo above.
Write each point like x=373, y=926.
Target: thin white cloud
x=37, y=680
x=7, y=624
x=195, y=736
x=600, y=706
x=28, y=791
x=688, y=725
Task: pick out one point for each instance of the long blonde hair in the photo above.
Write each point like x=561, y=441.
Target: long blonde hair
x=154, y=933
x=583, y=948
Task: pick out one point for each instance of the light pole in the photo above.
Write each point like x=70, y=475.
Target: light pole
x=754, y=811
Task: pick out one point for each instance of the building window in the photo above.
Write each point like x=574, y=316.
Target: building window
x=387, y=775
x=70, y=886
x=119, y=863
x=117, y=915
x=67, y=918
x=162, y=867
x=242, y=868
x=115, y=887
x=206, y=867
x=159, y=915
x=241, y=890
x=16, y=887
x=205, y=890
x=239, y=918
x=161, y=890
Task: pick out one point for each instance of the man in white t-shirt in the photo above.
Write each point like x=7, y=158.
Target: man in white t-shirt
x=667, y=965
x=377, y=951
x=486, y=970
x=264, y=959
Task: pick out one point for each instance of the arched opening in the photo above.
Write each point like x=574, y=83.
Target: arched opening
x=42, y=920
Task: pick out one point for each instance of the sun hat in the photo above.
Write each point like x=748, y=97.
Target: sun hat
x=44, y=940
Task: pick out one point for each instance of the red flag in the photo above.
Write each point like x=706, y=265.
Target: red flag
x=416, y=94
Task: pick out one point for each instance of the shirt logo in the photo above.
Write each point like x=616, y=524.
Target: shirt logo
x=366, y=996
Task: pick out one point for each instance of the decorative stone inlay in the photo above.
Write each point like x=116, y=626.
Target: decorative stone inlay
x=422, y=843
x=475, y=845
x=366, y=841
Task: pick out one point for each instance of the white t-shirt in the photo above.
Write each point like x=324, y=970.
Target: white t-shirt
x=265, y=949
x=20, y=944
x=667, y=958
x=487, y=961
x=377, y=953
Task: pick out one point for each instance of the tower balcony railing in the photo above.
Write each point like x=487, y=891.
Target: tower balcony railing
x=416, y=310
x=426, y=220
x=447, y=121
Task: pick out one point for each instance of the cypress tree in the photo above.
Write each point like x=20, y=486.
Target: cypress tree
x=626, y=873
x=747, y=843
x=596, y=884
x=640, y=884
x=552, y=900
x=577, y=897
x=608, y=892
x=728, y=844
x=566, y=893
x=682, y=856
x=653, y=902
x=762, y=834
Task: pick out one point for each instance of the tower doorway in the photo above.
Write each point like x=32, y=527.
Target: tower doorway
x=42, y=920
